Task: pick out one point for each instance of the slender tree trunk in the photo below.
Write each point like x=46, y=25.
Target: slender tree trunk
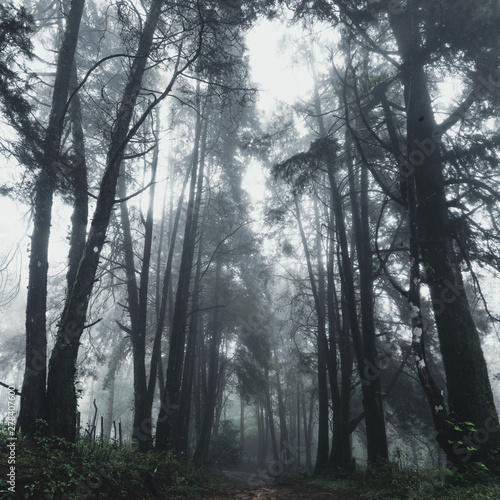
x=166, y=295
x=341, y=452
x=242, y=423
x=181, y=440
x=372, y=392
x=261, y=431
x=108, y=419
x=200, y=456
x=322, y=348
x=285, y=455
x=270, y=419
x=308, y=430
x=299, y=454
x=137, y=303
x=168, y=417
x=340, y=456
x=377, y=452
x=143, y=401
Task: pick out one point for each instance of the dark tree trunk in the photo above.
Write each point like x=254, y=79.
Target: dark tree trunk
x=470, y=398
x=108, y=419
x=372, y=392
x=262, y=435
x=242, y=423
x=143, y=398
x=200, y=456
x=61, y=397
x=341, y=452
x=168, y=417
x=166, y=296
x=308, y=419
x=322, y=348
x=270, y=419
x=33, y=390
x=285, y=447
x=376, y=449
x=79, y=218
x=181, y=440
x=340, y=455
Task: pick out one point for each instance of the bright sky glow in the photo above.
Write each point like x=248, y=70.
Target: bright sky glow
x=272, y=64
x=275, y=71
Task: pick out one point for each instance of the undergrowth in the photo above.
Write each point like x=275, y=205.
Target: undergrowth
x=393, y=483
x=51, y=468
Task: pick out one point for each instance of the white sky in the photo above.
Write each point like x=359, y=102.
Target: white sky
x=275, y=72
x=272, y=64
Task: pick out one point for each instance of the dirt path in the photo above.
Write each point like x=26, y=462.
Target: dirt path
x=245, y=486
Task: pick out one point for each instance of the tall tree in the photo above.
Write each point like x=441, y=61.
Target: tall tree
x=61, y=397
x=427, y=35
x=33, y=391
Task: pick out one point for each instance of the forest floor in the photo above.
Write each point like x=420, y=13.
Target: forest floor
x=247, y=486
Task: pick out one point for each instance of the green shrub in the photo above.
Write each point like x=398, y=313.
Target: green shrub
x=225, y=451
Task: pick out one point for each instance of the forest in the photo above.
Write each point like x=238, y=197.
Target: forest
x=249, y=249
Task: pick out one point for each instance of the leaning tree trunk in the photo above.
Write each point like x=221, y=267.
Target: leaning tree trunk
x=33, y=389
x=61, y=397
x=79, y=218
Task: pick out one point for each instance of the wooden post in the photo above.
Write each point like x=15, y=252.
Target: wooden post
x=114, y=427
x=102, y=429
x=120, y=431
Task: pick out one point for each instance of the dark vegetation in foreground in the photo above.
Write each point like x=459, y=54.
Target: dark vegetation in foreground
x=52, y=468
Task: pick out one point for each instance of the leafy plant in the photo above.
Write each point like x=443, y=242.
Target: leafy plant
x=225, y=451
